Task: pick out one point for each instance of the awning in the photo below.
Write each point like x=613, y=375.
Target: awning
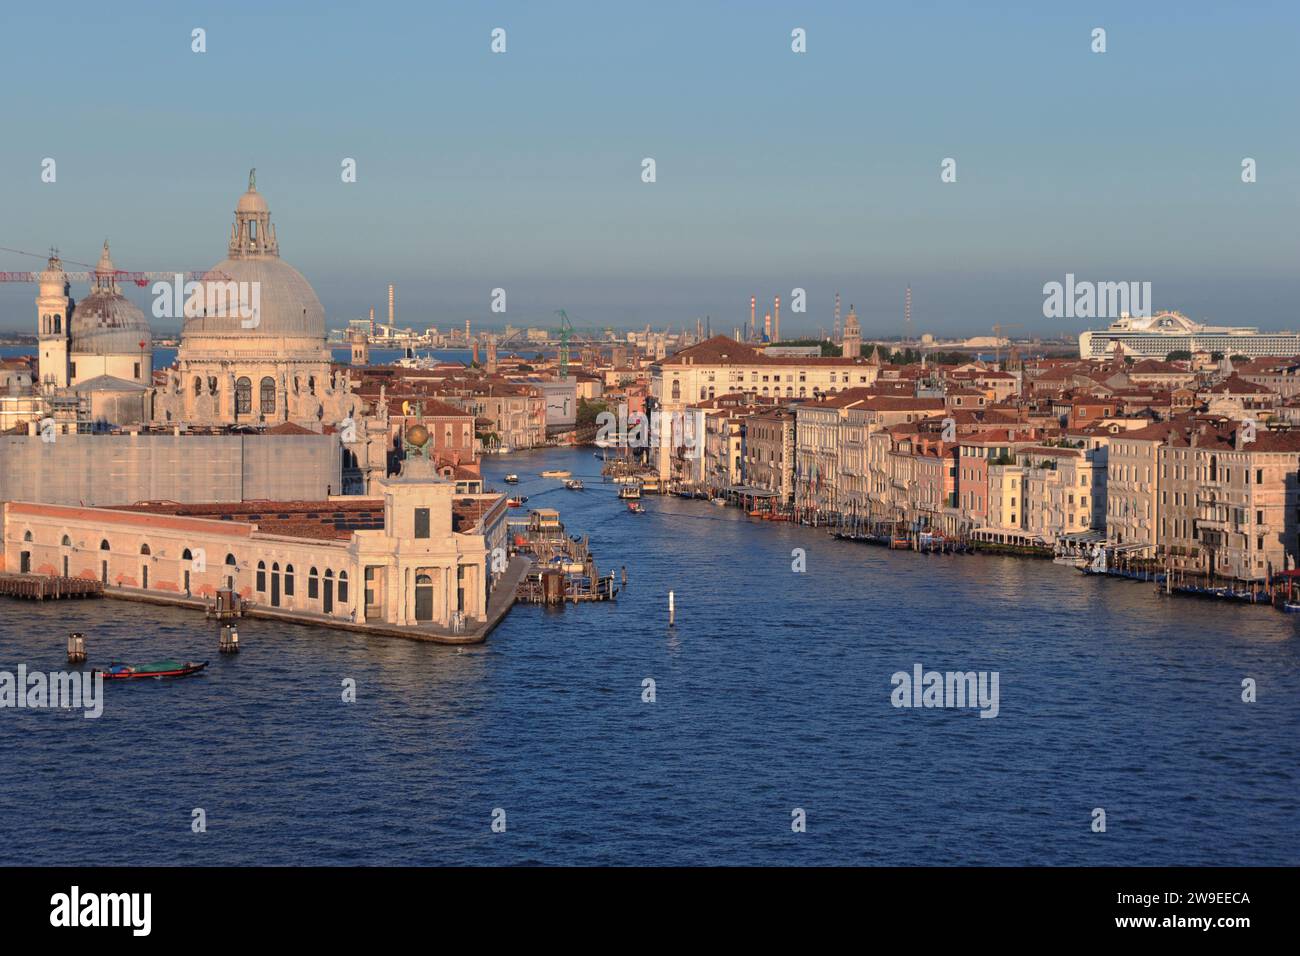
x=1084, y=537
x=750, y=491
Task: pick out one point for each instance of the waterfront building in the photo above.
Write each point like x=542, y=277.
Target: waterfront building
x=1063, y=492
x=769, y=453
x=1158, y=335
x=1246, y=519
x=720, y=365
x=1133, y=498
x=418, y=556
x=817, y=453
x=265, y=369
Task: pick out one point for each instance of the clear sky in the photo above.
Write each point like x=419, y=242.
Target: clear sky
x=775, y=170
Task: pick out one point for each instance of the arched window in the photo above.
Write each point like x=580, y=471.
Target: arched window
x=243, y=396
x=198, y=386
x=261, y=576
x=288, y=580
x=144, y=549
x=58, y=323
x=66, y=542
x=186, y=555
x=313, y=585
x=343, y=587
x=230, y=560
x=268, y=395
x=677, y=390
x=103, y=545
x=27, y=536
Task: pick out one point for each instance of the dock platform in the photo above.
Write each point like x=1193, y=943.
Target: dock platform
x=46, y=587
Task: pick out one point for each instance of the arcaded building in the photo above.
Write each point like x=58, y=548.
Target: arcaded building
x=252, y=345
x=419, y=555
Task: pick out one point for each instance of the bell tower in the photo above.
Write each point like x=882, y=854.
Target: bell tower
x=360, y=348
x=53, y=316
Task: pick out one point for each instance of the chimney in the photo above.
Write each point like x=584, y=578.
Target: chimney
x=776, y=321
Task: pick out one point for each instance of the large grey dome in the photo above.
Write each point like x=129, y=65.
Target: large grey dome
x=253, y=275
x=287, y=303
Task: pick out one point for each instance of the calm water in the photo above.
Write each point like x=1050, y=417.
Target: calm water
x=772, y=693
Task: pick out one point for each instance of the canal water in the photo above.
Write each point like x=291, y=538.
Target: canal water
x=771, y=696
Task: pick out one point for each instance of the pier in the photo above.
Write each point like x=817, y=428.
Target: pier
x=47, y=587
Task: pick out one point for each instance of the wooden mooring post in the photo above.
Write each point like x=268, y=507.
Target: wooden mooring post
x=76, y=648
x=229, y=643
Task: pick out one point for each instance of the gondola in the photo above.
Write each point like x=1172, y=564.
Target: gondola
x=157, y=669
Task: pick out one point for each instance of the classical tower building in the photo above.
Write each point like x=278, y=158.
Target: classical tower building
x=53, y=305
x=360, y=347
x=253, y=341
x=852, y=336
x=104, y=337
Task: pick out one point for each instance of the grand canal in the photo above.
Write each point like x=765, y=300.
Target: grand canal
x=771, y=693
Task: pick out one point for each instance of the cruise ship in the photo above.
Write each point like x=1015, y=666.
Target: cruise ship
x=1157, y=335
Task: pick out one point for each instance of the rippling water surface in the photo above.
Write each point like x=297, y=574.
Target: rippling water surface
x=772, y=693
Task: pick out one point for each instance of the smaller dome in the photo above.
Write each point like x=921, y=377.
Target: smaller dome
x=251, y=201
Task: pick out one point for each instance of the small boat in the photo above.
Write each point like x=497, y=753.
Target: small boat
x=158, y=670
x=517, y=502
x=1290, y=608
x=630, y=491
x=573, y=484
x=636, y=507
x=512, y=479
x=720, y=502
x=556, y=473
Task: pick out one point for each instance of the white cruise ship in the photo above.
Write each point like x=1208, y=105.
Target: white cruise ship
x=1157, y=335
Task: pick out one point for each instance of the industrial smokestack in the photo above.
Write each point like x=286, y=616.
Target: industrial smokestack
x=753, y=301
x=776, y=320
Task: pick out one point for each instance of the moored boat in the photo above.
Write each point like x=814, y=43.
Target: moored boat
x=630, y=491
x=156, y=669
x=516, y=502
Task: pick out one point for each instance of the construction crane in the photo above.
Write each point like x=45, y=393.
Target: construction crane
x=119, y=275
x=997, y=339
x=566, y=333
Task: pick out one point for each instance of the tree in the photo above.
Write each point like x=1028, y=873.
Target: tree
x=1179, y=355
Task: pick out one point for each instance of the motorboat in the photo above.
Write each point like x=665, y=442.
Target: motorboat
x=156, y=669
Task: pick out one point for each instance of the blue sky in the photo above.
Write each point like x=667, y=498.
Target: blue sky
x=775, y=170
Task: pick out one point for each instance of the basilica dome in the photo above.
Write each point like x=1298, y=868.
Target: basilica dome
x=105, y=322
x=253, y=293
